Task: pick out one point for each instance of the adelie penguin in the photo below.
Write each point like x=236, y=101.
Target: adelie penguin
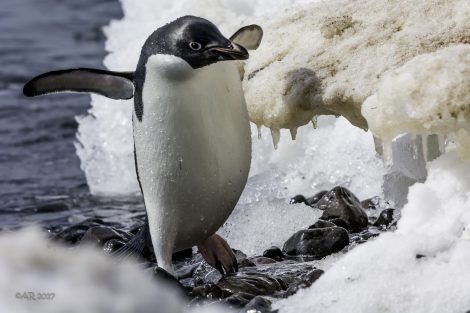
x=192, y=136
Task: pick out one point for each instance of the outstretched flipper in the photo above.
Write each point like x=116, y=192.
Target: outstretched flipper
x=114, y=85
x=249, y=37
x=216, y=251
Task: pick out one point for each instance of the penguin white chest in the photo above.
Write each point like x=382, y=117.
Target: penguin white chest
x=193, y=148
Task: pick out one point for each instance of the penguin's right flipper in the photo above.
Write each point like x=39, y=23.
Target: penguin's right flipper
x=249, y=37
x=114, y=85
x=135, y=246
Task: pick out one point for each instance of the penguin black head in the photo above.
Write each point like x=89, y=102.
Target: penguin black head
x=195, y=40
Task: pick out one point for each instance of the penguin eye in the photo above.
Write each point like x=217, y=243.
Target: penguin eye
x=196, y=46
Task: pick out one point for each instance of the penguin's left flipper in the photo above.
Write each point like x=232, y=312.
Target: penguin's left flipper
x=114, y=85
x=216, y=251
x=248, y=36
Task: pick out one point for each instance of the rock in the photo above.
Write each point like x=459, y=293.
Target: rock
x=240, y=299
x=310, y=201
x=341, y=203
x=182, y=255
x=250, y=282
x=321, y=224
x=306, y=281
x=206, y=274
x=313, y=200
x=257, y=304
x=298, y=199
x=98, y=235
x=112, y=245
x=385, y=218
x=210, y=291
x=72, y=234
x=274, y=253
x=341, y=223
x=318, y=242
x=261, y=260
x=371, y=203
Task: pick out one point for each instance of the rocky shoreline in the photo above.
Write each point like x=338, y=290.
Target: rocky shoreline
x=277, y=273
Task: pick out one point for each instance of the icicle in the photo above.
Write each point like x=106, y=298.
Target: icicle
x=378, y=146
x=442, y=143
x=315, y=122
x=414, y=146
x=293, y=133
x=424, y=146
x=387, y=152
x=276, y=134
x=259, y=130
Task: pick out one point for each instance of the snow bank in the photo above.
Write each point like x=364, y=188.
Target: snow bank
x=430, y=94
x=327, y=58
x=422, y=267
x=82, y=281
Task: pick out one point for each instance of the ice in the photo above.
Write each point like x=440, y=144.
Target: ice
x=422, y=267
x=337, y=153
x=328, y=57
x=430, y=94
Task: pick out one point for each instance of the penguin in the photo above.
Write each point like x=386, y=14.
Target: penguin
x=192, y=140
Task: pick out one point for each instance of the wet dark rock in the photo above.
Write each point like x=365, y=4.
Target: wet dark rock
x=72, y=234
x=239, y=299
x=98, y=235
x=308, y=201
x=261, y=260
x=305, y=281
x=274, y=253
x=250, y=282
x=341, y=223
x=322, y=224
x=365, y=235
x=342, y=203
x=385, y=218
x=209, y=291
x=182, y=255
x=246, y=263
x=420, y=256
x=112, y=245
x=206, y=274
x=318, y=242
x=257, y=304
x=314, y=200
x=298, y=199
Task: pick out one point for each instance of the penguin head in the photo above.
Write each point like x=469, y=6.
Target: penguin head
x=195, y=40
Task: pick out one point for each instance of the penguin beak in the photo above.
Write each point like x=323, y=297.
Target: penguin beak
x=232, y=52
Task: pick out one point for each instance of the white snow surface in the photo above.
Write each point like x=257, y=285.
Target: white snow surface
x=385, y=275
x=81, y=279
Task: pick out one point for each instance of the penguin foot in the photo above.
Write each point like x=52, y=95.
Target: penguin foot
x=216, y=251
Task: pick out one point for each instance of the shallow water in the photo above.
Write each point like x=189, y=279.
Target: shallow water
x=40, y=176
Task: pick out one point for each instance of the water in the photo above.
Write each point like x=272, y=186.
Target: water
x=39, y=170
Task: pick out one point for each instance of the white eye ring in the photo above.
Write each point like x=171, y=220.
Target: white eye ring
x=196, y=46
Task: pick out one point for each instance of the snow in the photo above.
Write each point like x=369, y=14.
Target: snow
x=386, y=276
x=328, y=57
x=430, y=94
x=83, y=280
